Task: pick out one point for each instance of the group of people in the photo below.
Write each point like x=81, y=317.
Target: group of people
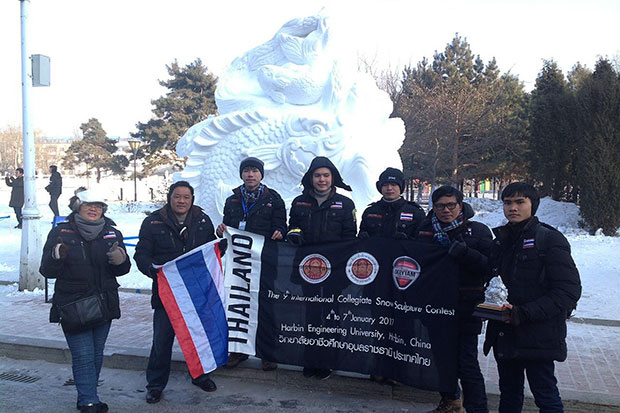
x=87, y=253
x=17, y=191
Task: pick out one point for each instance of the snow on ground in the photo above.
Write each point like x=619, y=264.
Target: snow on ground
x=596, y=256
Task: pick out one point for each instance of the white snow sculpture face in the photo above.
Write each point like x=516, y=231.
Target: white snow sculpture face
x=285, y=102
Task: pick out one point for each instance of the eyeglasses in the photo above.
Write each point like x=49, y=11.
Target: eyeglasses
x=94, y=206
x=449, y=205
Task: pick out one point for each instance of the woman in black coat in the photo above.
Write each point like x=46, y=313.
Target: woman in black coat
x=85, y=255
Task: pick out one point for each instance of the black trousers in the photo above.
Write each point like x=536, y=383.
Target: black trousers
x=54, y=204
x=540, y=376
x=18, y=215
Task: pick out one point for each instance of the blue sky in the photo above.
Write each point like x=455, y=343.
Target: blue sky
x=107, y=55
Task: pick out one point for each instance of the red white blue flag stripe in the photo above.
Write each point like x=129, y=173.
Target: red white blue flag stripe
x=191, y=288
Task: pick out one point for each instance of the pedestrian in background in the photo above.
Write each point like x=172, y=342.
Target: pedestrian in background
x=55, y=189
x=85, y=255
x=255, y=208
x=176, y=228
x=535, y=263
x=17, y=194
x=469, y=243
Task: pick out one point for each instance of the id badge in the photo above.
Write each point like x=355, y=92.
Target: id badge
x=242, y=225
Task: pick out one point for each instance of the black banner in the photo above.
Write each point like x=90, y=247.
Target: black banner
x=380, y=306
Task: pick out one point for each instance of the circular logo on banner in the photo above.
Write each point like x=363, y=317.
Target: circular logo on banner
x=405, y=271
x=315, y=268
x=362, y=268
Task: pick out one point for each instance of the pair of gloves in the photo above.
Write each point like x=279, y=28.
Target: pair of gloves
x=116, y=255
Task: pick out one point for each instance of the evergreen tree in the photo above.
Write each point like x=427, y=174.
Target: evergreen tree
x=462, y=118
x=553, y=142
x=95, y=150
x=599, y=149
x=190, y=99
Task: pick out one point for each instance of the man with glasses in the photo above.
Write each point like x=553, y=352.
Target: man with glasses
x=469, y=243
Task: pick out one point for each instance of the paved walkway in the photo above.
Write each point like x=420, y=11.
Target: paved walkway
x=591, y=373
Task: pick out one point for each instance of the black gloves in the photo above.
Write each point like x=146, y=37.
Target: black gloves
x=400, y=235
x=223, y=246
x=363, y=235
x=295, y=237
x=458, y=249
x=515, y=315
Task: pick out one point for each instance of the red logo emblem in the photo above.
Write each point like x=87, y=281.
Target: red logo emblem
x=315, y=268
x=405, y=272
x=362, y=268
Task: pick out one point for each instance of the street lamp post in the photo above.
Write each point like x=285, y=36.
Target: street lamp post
x=135, y=144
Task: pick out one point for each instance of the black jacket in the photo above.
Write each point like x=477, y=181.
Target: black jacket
x=161, y=240
x=384, y=219
x=85, y=268
x=334, y=220
x=473, y=266
x=265, y=216
x=543, y=285
x=55, y=185
x=17, y=193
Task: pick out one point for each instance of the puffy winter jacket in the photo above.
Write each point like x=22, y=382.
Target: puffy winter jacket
x=263, y=217
x=334, y=220
x=384, y=219
x=161, y=240
x=85, y=267
x=544, y=286
x=473, y=266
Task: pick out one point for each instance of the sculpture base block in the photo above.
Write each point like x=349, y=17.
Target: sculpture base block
x=492, y=312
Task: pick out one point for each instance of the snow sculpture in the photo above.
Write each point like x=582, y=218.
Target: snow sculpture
x=286, y=101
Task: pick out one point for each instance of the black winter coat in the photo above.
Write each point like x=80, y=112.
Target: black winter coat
x=17, y=193
x=384, y=219
x=333, y=221
x=160, y=240
x=85, y=268
x=472, y=267
x=265, y=216
x=544, y=286
x=55, y=185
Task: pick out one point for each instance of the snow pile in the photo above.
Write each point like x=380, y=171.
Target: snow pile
x=562, y=215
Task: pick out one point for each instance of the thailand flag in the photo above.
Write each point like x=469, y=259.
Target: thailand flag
x=191, y=288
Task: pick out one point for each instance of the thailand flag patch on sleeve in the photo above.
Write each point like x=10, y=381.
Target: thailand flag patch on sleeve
x=406, y=216
x=109, y=235
x=528, y=243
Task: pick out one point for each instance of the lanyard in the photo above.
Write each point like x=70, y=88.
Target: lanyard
x=247, y=210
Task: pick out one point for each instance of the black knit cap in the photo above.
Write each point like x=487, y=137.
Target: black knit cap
x=391, y=175
x=180, y=184
x=323, y=162
x=253, y=163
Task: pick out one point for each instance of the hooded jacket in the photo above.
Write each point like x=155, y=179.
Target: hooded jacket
x=473, y=266
x=162, y=240
x=334, y=220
